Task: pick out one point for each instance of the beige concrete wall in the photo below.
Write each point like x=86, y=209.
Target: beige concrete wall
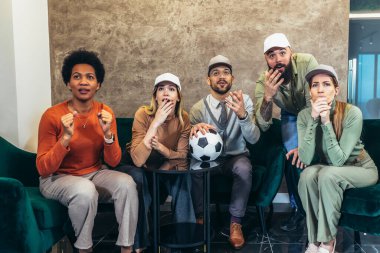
x=139, y=39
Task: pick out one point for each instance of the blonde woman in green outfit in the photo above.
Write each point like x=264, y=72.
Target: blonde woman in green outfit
x=329, y=144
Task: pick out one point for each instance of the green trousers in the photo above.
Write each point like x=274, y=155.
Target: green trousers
x=321, y=189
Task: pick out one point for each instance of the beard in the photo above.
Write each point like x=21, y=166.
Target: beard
x=221, y=91
x=287, y=74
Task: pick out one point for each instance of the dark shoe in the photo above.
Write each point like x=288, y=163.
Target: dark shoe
x=295, y=221
x=236, y=236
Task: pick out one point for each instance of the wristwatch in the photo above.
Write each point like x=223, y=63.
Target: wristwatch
x=245, y=116
x=109, y=141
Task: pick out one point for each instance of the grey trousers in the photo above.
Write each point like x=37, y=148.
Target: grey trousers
x=81, y=195
x=321, y=189
x=238, y=167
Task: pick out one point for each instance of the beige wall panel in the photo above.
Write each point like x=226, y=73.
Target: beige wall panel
x=139, y=39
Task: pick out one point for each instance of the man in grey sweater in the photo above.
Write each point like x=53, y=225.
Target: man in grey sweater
x=230, y=113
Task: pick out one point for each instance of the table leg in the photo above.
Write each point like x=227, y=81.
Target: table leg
x=208, y=214
x=206, y=211
x=156, y=212
x=205, y=217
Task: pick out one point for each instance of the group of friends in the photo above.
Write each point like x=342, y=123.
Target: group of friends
x=79, y=153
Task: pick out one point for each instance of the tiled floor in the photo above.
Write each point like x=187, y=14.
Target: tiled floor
x=276, y=241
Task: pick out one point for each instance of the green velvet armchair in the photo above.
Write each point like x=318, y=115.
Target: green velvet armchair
x=361, y=206
x=29, y=222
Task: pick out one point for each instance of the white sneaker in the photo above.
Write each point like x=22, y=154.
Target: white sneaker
x=323, y=250
x=312, y=248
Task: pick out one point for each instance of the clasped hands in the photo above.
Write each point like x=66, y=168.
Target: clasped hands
x=321, y=108
x=67, y=121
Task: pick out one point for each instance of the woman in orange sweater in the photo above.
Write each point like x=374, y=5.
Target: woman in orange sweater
x=75, y=137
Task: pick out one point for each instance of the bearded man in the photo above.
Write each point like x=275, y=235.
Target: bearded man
x=284, y=84
x=230, y=113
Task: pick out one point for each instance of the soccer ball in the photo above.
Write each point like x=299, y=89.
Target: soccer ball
x=207, y=147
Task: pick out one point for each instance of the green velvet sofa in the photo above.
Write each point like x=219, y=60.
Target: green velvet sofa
x=361, y=206
x=29, y=222
x=32, y=224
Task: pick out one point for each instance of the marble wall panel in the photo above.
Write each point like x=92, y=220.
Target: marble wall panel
x=140, y=39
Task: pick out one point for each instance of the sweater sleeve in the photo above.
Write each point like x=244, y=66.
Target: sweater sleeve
x=248, y=128
x=306, y=128
x=112, y=152
x=139, y=152
x=196, y=115
x=183, y=142
x=50, y=152
x=339, y=152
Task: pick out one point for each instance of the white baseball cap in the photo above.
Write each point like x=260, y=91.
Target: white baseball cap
x=275, y=40
x=168, y=77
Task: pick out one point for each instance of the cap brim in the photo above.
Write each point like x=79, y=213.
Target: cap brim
x=219, y=64
x=314, y=72
x=169, y=81
x=275, y=46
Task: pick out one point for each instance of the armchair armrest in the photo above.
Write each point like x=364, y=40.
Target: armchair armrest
x=19, y=230
x=17, y=163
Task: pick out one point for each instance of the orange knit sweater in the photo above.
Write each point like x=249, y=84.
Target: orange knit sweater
x=87, y=148
x=170, y=133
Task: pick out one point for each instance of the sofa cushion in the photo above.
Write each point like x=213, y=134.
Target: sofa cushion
x=362, y=201
x=49, y=213
x=360, y=223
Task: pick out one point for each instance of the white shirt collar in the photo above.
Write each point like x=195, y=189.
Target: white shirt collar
x=215, y=102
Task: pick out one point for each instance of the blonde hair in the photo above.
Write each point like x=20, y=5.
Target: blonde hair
x=152, y=108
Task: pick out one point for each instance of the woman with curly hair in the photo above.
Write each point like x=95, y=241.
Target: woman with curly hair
x=74, y=138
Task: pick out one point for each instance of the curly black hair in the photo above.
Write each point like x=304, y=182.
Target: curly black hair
x=82, y=56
